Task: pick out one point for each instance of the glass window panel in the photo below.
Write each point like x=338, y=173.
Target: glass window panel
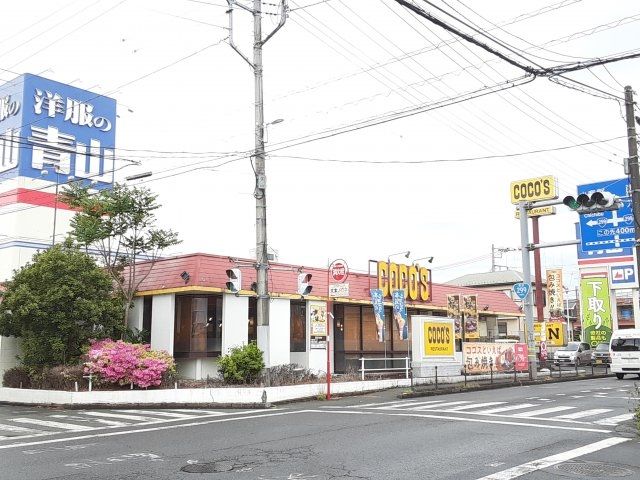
x=298, y=332
x=252, y=324
x=370, y=330
x=351, y=328
x=199, y=324
x=214, y=324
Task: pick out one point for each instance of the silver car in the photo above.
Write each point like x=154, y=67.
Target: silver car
x=575, y=353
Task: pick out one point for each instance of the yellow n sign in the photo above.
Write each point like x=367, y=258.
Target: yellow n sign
x=555, y=334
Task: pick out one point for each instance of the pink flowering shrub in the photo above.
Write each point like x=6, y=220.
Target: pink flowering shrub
x=126, y=363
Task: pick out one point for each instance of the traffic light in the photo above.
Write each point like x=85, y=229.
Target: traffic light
x=234, y=282
x=599, y=201
x=303, y=284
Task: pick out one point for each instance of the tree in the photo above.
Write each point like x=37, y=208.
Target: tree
x=56, y=304
x=119, y=226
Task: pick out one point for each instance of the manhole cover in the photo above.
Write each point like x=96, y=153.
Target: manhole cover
x=211, y=467
x=592, y=469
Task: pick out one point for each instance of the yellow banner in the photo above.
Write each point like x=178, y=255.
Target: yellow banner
x=532, y=189
x=438, y=339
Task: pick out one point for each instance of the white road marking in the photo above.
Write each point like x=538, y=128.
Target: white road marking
x=461, y=419
x=112, y=423
x=210, y=412
x=577, y=396
x=552, y=460
x=583, y=413
x=158, y=413
x=508, y=408
x=439, y=405
x=123, y=416
x=615, y=420
x=543, y=411
x=16, y=429
x=475, y=405
x=47, y=423
x=412, y=405
x=379, y=404
x=159, y=428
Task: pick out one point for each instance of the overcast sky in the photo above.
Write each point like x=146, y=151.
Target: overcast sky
x=186, y=113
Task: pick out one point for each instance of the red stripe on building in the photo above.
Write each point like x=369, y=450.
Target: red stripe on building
x=31, y=197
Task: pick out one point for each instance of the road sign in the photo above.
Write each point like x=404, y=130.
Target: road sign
x=609, y=229
x=623, y=276
x=533, y=189
x=521, y=290
x=609, y=254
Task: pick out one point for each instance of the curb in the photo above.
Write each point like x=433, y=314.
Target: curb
x=142, y=406
x=458, y=388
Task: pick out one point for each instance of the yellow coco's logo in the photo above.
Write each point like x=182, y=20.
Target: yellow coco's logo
x=416, y=282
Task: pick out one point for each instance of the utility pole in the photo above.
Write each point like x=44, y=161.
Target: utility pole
x=635, y=183
x=260, y=192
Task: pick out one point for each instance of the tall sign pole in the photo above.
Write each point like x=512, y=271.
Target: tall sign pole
x=634, y=173
x=528, y=304
x=258, y=160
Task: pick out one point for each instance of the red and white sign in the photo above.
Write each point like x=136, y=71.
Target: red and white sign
x=339, y=271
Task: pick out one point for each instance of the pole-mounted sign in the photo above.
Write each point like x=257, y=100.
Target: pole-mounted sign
x=534, y=189
x=521, y=290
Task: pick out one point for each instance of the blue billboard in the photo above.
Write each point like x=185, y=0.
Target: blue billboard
x=56, y=132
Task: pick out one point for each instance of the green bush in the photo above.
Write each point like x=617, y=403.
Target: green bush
x=242, y=364
x=17, y=377
x=61, y=377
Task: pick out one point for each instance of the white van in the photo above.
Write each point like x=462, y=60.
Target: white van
x=625, y=352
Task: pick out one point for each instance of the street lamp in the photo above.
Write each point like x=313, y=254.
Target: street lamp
x=266, y=129
x=405, y=253
x=138, y=176
x=428, y=259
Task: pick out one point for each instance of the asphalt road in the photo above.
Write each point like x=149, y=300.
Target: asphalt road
x=564, y=430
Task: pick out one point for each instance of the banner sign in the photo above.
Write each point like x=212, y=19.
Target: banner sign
x=555, y=293
x=470, y=311
x=378, y=311
x=522, y=356
x=481, y=358
x=400, y=314
x=453, y=311
x=438, y=338
x=53, y=131
x=596, y=310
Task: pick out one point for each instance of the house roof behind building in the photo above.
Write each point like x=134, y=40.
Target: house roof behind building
x=499, y=277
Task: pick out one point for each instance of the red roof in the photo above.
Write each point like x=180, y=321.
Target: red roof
x=208, y=272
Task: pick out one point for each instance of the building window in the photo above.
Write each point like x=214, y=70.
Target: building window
x=198, y=326
x=502, y=329
x=298, y=332
x=147, y=313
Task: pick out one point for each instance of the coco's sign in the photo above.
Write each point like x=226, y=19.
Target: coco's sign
x=415, y=281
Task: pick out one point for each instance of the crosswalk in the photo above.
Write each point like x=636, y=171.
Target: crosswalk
x=21, y=427
x=536, y=410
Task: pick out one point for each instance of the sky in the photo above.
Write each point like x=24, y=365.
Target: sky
x=380, y=149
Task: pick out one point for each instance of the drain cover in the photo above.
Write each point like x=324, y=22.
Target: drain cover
x=592, y=469
x=211, y=467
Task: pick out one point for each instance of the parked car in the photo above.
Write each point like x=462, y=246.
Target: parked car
x=575, y=353
x=601, y=355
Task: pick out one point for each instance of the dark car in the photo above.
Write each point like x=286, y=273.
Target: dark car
x=601, y=355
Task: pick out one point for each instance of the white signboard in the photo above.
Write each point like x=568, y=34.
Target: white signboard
x=339, y=290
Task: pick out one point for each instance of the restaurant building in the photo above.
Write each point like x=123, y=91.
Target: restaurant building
x=189, y=306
